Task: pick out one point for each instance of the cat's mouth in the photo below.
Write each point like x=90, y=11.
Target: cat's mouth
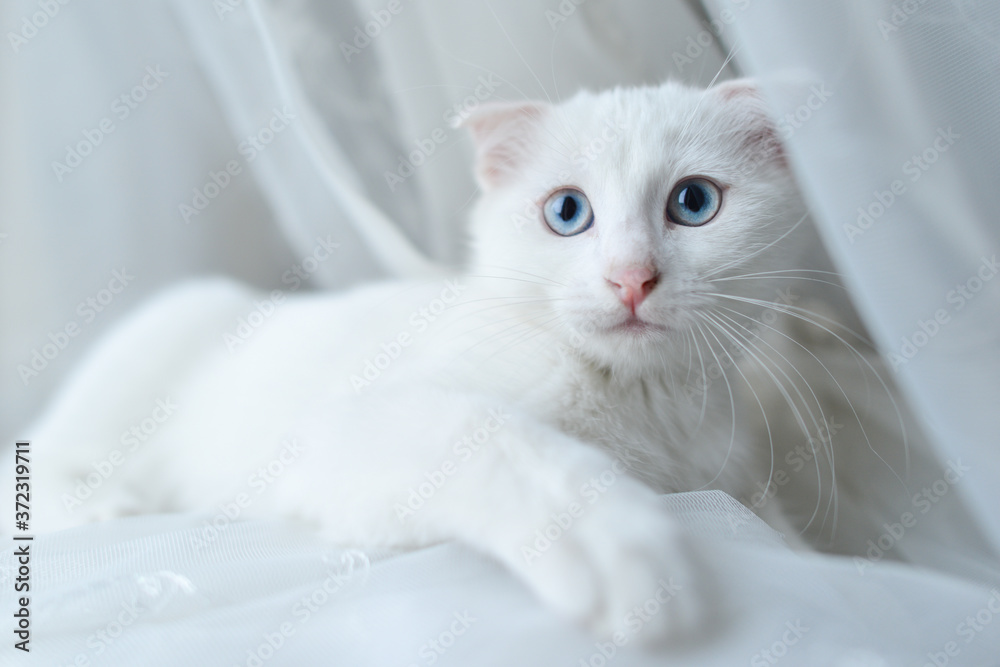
x=634, y=325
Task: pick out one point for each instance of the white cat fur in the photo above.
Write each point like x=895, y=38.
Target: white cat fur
x=527, y=342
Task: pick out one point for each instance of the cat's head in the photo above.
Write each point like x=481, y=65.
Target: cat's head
x=616, y=215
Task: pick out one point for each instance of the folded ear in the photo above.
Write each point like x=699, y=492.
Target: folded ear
x=503, y=133
x=752, y=113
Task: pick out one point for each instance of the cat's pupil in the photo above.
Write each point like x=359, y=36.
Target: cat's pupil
x=568, y=210
x=692, y=199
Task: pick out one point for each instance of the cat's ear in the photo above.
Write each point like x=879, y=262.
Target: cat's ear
x=503, y=133
x=751, y=112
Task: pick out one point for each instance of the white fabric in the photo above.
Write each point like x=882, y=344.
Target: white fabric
x=168, y=591
x=899, y=79
x=228, y=73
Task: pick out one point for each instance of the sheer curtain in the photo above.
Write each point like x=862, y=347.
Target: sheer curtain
x=228, y=68
x=906, y=196
x=145, y=143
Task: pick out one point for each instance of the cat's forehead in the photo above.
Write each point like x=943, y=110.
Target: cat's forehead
x=661, y=110
x=637, y=132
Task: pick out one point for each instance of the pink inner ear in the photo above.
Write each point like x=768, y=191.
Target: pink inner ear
x=762, y=135
x=502, y=133
x=488, y=118
x=730, y=90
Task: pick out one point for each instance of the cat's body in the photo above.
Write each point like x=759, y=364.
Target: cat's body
x=536, y=389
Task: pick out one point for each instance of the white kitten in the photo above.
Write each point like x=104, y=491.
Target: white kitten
x=533, y=407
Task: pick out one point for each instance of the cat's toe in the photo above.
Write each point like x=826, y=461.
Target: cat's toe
x=655, y=587
x=621, y=567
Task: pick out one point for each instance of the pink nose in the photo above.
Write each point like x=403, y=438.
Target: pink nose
x=633, y=284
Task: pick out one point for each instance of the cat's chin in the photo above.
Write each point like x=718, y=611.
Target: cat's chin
x=630, y=346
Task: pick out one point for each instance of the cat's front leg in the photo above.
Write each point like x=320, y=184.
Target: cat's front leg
x=414, y=466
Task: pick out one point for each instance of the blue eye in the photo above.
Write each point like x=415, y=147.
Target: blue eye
x=567, y=212
x=693, y=202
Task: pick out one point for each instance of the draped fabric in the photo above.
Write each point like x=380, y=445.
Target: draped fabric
x=194, y=589
x=143, y=143
x=230, y=69
x=906, y=195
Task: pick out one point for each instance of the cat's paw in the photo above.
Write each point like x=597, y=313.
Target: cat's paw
x=616, y=562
